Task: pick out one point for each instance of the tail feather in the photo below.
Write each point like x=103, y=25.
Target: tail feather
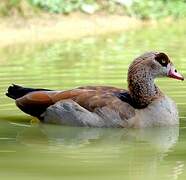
x=16, y=91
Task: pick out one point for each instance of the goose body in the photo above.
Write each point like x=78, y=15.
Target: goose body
x=161, y=112
x=142, y=105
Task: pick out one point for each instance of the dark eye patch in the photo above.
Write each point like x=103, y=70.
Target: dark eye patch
x=163, y=59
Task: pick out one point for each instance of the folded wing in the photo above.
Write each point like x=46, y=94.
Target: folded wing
x=99, y=100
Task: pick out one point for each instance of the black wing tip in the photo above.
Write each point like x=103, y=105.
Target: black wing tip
x=9, y=95
x=11, y=91
x=15, y=91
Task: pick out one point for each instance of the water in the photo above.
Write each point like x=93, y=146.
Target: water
x=29, y=150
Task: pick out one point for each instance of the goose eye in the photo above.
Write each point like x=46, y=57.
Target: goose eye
x=163, y=61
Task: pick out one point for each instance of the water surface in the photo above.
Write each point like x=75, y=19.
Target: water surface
x=29, y=150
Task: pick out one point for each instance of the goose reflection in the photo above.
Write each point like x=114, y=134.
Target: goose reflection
x=129, y=153
x=161, y=139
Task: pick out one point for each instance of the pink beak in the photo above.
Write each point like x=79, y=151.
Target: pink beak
x=172, y=73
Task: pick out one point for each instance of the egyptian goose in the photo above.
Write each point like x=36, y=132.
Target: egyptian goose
x=142, y=105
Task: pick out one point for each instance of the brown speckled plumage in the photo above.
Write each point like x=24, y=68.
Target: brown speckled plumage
x=141, y=80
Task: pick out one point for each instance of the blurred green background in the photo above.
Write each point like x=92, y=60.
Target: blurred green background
x=145, y=9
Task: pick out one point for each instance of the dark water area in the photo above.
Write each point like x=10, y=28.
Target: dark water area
x=30, y=150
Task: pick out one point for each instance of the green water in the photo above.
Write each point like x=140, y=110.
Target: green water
x=37, y=151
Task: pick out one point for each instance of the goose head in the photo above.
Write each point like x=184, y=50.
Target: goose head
x=155, y=64
x=142, y=72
